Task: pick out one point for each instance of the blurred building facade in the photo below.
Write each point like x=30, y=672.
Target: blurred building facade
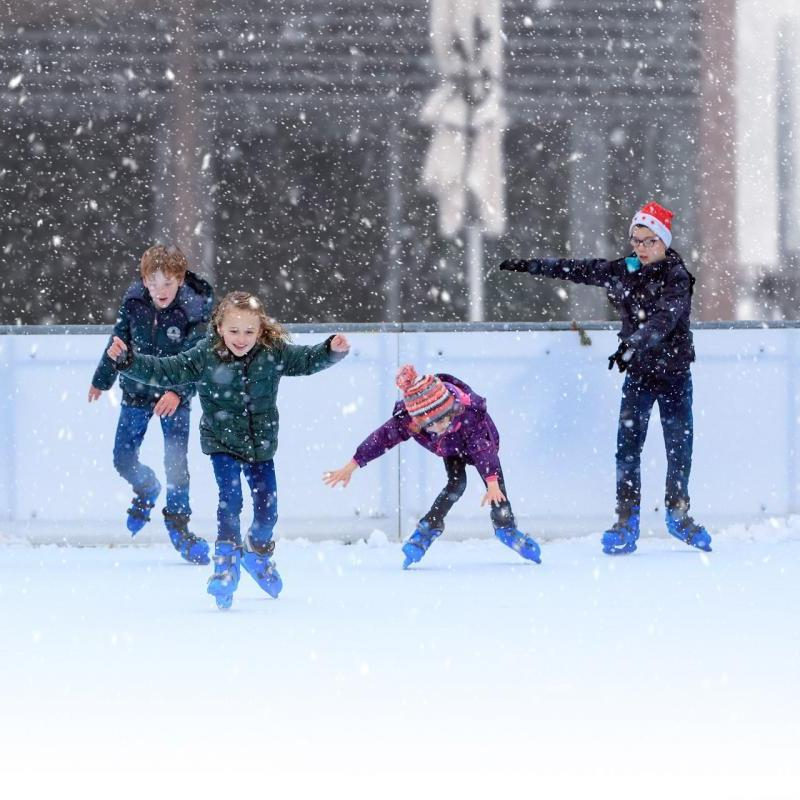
x=280, y=145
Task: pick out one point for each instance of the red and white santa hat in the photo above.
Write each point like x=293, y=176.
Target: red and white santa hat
x=657, y=218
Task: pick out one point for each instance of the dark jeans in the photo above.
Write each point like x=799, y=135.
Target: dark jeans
x=674, y=398
x=456, y=468
x=264, y=490
x=131, y=428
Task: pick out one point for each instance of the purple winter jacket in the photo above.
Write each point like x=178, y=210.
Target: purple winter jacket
x=472, y=435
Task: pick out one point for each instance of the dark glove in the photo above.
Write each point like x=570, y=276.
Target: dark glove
x=515, y=265
x=622, y=357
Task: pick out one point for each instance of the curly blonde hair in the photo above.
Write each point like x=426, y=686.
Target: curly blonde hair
x=272, y=333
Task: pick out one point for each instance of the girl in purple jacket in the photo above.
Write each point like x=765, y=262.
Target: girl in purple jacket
x=445, y=416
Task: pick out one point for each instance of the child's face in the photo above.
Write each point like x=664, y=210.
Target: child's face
x=162, y=288
x=441, y=425
x=648, y=247
x=240, y=330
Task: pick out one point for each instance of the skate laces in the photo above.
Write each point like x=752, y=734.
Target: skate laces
x=687, y=525
x=519, y=538
x=426, y=537
x=140, y=507
x=261, y=549
x=690, y=525
x=623, y=526
x=626, y=528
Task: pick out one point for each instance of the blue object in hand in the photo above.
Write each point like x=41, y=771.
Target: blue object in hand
x=633, y=264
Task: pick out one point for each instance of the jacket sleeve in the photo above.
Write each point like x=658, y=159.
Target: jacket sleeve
x=106, y=372
x=484, y=452
x=672, y=305
x=167, y=371
x=186, y=391
x=195, y=334
x=592, y=271
x=389, y=435
x=487, y=462
x=297, y=359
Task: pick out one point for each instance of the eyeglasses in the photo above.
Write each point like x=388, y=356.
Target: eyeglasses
x=651, y=241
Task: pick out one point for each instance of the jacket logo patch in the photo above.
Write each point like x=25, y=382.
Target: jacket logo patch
x=174, y=333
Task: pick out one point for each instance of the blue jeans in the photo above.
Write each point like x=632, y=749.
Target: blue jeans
x=263, y=487
x=674, y=398
x=131, y=428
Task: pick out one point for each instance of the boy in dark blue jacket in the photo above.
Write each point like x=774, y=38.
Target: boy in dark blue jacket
x=164, y=313
x=651, y=290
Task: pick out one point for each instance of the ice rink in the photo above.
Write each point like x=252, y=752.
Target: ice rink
x=666, y=673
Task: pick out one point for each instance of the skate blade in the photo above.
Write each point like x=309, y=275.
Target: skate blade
x=621, y=551
x=201, y=560
x=412, y=555
x=224, y=602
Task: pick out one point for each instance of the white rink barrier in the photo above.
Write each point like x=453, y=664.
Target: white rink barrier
x=553, y=399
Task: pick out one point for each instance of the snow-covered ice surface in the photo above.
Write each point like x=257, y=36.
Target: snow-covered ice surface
x=667, y=673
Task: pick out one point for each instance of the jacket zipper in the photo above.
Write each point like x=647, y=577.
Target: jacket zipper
x=246, y=383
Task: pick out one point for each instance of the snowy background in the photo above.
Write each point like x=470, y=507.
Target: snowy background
x=282, y=144
x=669, y=672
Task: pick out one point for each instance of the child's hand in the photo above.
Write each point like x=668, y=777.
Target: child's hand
x=339, y=343
x=117, y=348
x=94, y=393
x=493, y=493
x=167, y=404
x=340, y=475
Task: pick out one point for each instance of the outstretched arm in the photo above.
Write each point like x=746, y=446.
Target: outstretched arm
x=167, y=371
x=389, y=435
x=341, y=475
x=297, y=359
x=591, y=271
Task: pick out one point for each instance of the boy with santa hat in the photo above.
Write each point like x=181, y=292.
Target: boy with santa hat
x=651, y=290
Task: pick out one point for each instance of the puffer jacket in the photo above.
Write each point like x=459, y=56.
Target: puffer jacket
x=471, y=436
x=238, y=395
x=157, y=332
x=653, y=303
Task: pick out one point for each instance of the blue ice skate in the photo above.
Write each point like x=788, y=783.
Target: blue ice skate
x=256, y=560
x=418, y=543
x=222, y=584
x=192, y=548
x=520, y=543
x=139, y=511
x=622, y=536
x=683, y=527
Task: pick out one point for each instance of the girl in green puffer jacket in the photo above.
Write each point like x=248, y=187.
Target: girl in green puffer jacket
x=237, y=369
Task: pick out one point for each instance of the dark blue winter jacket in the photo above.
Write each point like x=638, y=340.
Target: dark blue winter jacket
x=157, y=332
x=653, y=302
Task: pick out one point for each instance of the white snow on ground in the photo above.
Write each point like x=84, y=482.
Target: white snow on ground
x=669, y=673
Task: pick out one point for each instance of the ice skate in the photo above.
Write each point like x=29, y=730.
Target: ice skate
x=256, y=560
x=222, y=584
x=418, y=543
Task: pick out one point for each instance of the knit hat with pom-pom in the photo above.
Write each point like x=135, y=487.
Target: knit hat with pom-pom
x=426, y=398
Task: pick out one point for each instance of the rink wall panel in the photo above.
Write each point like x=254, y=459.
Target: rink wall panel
x=552, y=398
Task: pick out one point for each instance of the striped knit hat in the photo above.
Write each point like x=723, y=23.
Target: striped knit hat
x=426, y=398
